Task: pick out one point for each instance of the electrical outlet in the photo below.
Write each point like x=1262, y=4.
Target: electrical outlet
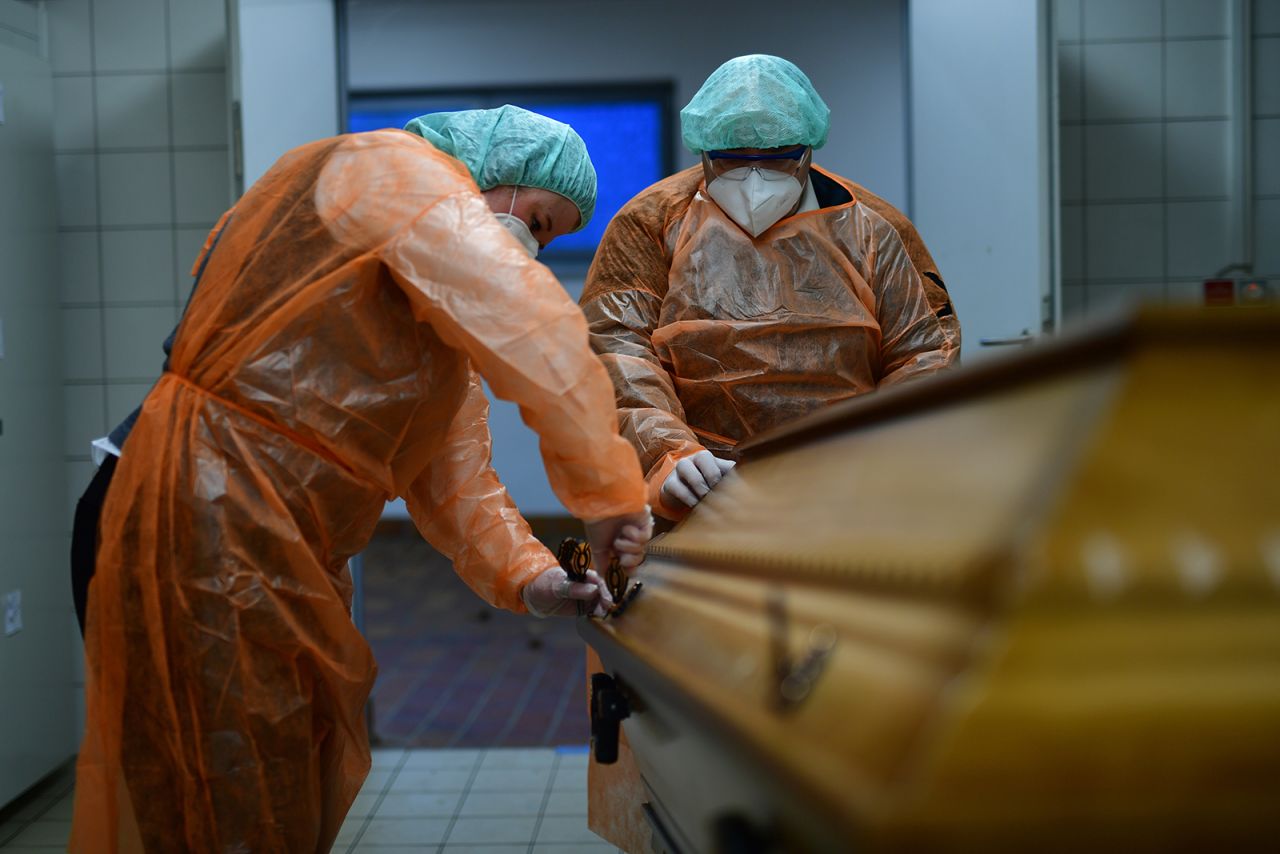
x=12, y=612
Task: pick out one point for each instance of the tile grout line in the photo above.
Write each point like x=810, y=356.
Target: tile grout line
x=135, y=72
x=424, y=676
x=1145, y=200
x=1127, y=40
x=195, y=147
x=566, y=693
x=1129, y=121
x=481, y=702
x=445, y=697
x=546, y=800
x=25, y=824
x=1084, y=168
x=1164, y=156
x=173, y=166
x=526, y=695
x=386, y=788
x=137, y=226
x=97, y=216
x=466, y=792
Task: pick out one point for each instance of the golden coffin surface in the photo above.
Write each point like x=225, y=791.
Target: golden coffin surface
x=1031, y=605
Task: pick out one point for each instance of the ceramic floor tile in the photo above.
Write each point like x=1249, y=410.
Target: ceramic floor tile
x=387, y=758
x=501, y=804
x=418, y=804
x=511, y=780
x=60, y=811
x=569, y=802
x=565, y=829
x=32, y=808
x=349, y=830
x=454, y=672
x=376, y=781
x=10, y=829
x=518, y=758
x=363, y=804
x=404, y=831
x=493, y=830
x=446, y=780
x=41, y=833
x=418, y=760
x=569, y=778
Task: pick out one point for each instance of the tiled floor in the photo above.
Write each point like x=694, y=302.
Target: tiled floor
x=454, y=672
x=474, y=801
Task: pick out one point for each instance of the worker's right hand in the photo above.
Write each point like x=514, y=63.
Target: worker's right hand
x=693, y=477
x=623, y=537
x=553, y=594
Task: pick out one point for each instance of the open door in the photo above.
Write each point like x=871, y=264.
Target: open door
x=983, y=128
x=283, y=78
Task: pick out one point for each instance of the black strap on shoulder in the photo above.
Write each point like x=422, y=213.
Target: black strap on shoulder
x=828, y=192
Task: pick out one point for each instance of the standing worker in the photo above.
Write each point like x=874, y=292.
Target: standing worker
x=331, y=358
x=756, y=287
x=743, y=293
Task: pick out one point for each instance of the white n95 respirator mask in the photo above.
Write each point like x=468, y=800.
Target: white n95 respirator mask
x=520, y=231
x=755, y=198
x=519, y=228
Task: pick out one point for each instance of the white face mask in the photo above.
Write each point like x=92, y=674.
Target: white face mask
x=755, y=198
x=521, y=232
x=518, y=228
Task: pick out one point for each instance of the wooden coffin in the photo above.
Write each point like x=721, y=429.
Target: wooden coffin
x=1030, y=605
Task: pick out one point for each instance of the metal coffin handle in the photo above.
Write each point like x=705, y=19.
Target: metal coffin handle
x=1025, y=338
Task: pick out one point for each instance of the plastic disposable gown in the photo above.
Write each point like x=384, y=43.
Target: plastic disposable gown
x=328, y=361
x=712, y=337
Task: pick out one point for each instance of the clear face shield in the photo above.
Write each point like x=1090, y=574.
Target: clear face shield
x=774, y=165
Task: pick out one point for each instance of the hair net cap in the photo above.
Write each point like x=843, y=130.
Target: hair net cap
x=755, y=101
x=510, y=145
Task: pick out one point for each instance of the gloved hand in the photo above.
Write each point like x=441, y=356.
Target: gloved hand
x=552, y=594
x=693, y=477
x=624, y=536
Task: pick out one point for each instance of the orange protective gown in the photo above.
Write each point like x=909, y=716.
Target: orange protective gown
x=330, y=359
x=711, y=337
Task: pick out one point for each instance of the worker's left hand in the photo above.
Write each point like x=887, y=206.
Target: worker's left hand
x=552, y=594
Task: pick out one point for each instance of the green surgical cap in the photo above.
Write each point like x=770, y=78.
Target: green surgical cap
x=755, y=101
x=513, y=146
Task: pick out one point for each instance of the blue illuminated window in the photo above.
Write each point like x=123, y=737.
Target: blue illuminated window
x=626, y=129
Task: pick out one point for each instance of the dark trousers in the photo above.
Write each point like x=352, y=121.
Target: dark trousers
x=84, y=536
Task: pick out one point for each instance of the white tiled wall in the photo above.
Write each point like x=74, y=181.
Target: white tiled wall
x=142, y=164
x=1145, y=136
x=1266, y=138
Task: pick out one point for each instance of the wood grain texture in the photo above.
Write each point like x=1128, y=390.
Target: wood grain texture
x=1054, y=584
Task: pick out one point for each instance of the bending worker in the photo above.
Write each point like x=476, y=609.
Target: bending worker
x=756, y=287
x=331, y=357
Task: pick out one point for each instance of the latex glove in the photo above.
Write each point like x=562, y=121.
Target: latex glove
x=693, y=477
x=552, y=594
x=623, y=536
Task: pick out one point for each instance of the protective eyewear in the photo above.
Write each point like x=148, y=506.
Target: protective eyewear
x=791, y=163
